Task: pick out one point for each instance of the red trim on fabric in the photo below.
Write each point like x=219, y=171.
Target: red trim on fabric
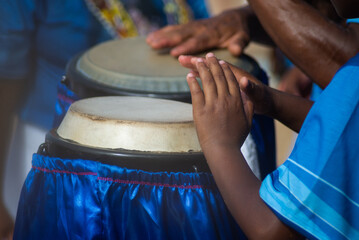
x=64, y=98
x=119, y=180
x=65, y=172
x=150, y=184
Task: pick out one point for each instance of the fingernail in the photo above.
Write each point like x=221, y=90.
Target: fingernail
x=222, y=62
x=191, y=75
x=210, y=55
x=199, y=60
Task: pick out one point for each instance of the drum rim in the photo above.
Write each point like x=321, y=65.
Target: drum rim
x=146, y=161
x=72, y=73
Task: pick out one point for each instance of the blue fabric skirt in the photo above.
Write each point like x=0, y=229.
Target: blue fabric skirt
x=82, y=199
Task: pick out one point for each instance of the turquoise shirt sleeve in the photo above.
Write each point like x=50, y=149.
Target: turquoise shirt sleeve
x=316, y=190
x=353, y=20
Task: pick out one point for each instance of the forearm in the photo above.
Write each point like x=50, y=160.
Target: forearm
x=315, y=44
x=256, y=31
x=288, y=109
x=240, y=190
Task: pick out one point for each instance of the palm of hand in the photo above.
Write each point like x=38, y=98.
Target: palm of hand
x=224, y=123
x=222, y=117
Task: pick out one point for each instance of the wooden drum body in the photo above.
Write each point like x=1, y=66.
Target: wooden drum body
x=123, y=168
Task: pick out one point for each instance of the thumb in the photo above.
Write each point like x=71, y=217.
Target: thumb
x=248, y=87
x=247, y=102
x=238, y=43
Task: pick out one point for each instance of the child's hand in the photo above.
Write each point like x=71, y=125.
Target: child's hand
x=256, y=91
x=221, y=113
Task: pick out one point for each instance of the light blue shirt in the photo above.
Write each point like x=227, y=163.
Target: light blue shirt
x=316, y=190
x=353, y=20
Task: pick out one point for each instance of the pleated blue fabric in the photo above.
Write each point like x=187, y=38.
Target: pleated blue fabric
x=82, y=199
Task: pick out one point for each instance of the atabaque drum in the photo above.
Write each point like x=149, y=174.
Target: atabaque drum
x=123, y=168
x=129, y=67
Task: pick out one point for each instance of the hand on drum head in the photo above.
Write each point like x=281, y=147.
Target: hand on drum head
x=223, y=31
x=222, y=114
x=255, y=90
x=6, y=223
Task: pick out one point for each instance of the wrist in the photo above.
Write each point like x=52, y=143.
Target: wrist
x=240, y=15
x=220, y=152
x=216, y=146
x=270, y=99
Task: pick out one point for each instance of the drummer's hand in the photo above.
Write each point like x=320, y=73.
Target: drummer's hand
x=6, y=223
x=221, y=113
x=256, y=91
x=227, y=30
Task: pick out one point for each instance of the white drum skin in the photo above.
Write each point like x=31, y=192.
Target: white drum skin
x=131, y=123
x=130, y=64
x=141, y=124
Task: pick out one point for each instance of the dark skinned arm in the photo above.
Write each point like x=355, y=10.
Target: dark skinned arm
x=315, y=44
x=318, y=46
x=289, y=109
x=223, y=117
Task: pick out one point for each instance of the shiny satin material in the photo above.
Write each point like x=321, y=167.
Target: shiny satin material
x=81, y=199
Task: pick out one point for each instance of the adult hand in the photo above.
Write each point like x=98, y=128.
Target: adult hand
x=221, y=113
x=6, y=223
x=227, y=30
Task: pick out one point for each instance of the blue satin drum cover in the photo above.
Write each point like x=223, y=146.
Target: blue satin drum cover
x=123, y=168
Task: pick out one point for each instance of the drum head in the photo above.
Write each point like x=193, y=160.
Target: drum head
x=130, y=67
x=131, y=123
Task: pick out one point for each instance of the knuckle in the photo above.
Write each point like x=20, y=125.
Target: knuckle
x=196, y=91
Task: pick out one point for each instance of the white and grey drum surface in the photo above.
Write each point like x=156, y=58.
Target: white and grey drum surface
x=130, y=67
x=131, y=123
x=141, y=125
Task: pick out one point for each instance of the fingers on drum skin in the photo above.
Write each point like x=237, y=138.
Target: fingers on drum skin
x=218, y=75
x=169, y=36
x=186, y=61
x=192, y=45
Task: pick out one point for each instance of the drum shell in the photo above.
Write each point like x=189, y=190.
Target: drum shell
x=75, y=197
x=116, y=202
x=55, y=146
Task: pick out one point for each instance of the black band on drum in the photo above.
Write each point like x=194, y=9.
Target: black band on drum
x=190, y=162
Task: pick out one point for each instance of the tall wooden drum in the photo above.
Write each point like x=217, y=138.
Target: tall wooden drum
x=123, y=168
x=129, y=67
